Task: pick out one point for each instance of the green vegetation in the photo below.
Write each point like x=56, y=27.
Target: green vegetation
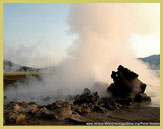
x=21, y=73
x=11, y=79
x=8, y=85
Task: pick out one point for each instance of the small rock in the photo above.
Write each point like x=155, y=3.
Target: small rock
x=12, y=117
x=142, y=98
x=16, y=108
x=100, y=109
x=86, y=110
x=34, y=108
x=86, y=91
x=45, y=114
x=59, y=104
x=21, y=119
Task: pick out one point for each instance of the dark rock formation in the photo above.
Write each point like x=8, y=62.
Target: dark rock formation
x=87, y=97
x=127, y=87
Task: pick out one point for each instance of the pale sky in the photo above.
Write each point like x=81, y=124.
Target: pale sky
x=146, y=45
x=39, y=32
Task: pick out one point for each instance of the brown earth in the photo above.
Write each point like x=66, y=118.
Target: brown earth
x=10, y=79
x=143, y=116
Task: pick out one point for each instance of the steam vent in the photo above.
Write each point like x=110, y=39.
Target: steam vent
x=127, y=88
x=127, y=97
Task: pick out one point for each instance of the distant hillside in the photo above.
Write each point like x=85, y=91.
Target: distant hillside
x=12, y=67
x=153, y=61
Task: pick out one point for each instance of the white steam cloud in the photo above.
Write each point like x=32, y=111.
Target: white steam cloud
x=102, y=44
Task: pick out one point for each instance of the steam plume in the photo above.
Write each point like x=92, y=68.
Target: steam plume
x=103, y=33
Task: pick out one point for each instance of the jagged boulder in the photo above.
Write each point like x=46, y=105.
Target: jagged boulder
x=87, y=97
x=62, y=110
x=127, y=87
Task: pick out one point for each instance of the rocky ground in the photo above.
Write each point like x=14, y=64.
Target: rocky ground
x=64, y=113
x=129, y=105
